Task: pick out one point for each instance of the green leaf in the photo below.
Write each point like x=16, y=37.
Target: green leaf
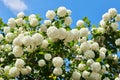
x=98, y=60
x=87, y=21
x=93, y=26
x=41, y=52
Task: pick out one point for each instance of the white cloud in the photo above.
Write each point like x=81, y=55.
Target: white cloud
x=15, y=5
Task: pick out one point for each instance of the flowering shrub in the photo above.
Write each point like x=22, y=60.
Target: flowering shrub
x=53, y=50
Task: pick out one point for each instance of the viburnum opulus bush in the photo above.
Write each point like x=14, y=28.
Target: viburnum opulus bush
x=52, y=50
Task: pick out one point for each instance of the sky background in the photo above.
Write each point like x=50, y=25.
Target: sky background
x=93, y=9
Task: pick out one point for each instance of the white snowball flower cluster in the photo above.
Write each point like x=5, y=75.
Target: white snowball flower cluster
x=18, y=40
x=25, y=71
x=94, y=46
x=31, y=16
x=102, y=55
x=76, y=75
x=68, y=21
x=61, y=11
x=21, y=29
x=103, y=23
x=114, y=25
x=20, y=15
x=27, y=40
x=69, y=37
x=95, y=76
x=37, y=38
x=55, y=33
x=47, y=56
x=118, y=78
x=1, y=37
x=96, y=67
x=106, y=78
x=50, y=14
x=14, y=72
x=2, y=59
x=18, y=51
x=43, y=28
x=115, y=58
x=103, y=49
x=83, y=32
x=102, y=52
x=28, y=69
x=106, y=17
x=1, y=78
x=19, y=63
x=69, y=12
x=80, y=23
x=101, y=30
x=8, y=47
x=117, y=18
x=103, y=69
x=81, y=67
x=51, y=32
x=19, y=21
x=57, y=71
x=62, y=33
x=89, y=54
x=78, y=57
x=112, y=12
x=2, y=47
x=44, y=44
x=9, y=37
x=85, y=46
x=41, y=63
x=6, y=30
x=6, y=69
x=11, y=23
x=47, y=22
x=57, y=61
x=117, y=42
x=90, y=61
x=85, y=74
x=76, y=33
x=33, y=20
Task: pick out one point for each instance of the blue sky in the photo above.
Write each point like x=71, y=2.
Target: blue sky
x=80, y=8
